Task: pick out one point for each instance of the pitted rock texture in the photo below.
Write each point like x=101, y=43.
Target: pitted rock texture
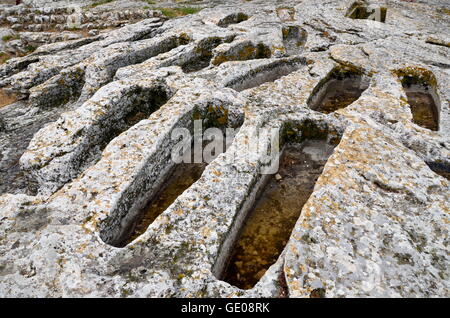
x=88, y=141
x=31, y=24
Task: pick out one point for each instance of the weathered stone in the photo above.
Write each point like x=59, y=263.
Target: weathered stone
x=375, y=225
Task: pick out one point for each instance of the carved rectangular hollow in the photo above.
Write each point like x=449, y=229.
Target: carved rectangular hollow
x=272, y=212
x=165, y=180
x=362, y=11
x=340, y=89
x=267, y=73
x=202, y=55
x=423, y=100
x=181, y=177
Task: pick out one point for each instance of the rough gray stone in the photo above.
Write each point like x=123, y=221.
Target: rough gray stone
x=376, y=224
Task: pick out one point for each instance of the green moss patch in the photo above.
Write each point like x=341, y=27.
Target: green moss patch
x=178, y=12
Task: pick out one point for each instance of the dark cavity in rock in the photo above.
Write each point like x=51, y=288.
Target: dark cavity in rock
x=267, y=73
x=441, y=169
x=338, y=91
x=270, y=222
x=145, y=103
x=164, y=180
x=423, y=101
x=178, y=179
x=360, y=11
x=234, y=18
x=182, y=177
x=203, y=55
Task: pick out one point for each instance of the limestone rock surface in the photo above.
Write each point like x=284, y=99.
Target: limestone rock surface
x=75, y=163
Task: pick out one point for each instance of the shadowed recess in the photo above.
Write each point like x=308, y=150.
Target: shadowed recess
x=248, y=51
x=164, y=180
x=361, y=11
x=441, y=169
x=338, y=91
x=234, y=18
x=144, y=104
x=423, y=101
x=176, y=181
x=182, y=177
x=203, y=54
x=130, y=108
x=267, y=73
x=269, y=223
